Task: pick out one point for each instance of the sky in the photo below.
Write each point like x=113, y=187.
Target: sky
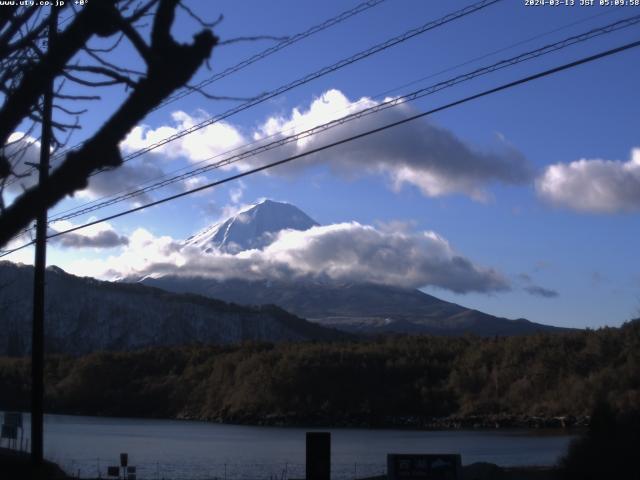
x=522, y=204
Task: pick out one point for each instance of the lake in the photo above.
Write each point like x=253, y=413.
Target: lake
x=196, y=450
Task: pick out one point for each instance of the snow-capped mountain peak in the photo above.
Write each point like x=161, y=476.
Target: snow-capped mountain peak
x=252, y=227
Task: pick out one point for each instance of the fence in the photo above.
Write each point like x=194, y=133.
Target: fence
x=220, y=471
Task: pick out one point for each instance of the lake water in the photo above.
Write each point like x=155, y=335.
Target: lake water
x=175, y=449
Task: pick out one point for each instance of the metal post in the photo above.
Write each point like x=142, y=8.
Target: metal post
x=318, y=456
x=37, y=345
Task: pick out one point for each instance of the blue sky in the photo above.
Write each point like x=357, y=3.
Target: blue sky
x=561, y=237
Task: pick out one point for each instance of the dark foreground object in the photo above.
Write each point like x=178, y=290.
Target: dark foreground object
x=490, y=471
x=14, y=465
x=17, y=465
x=610, y=449
x=318, y=456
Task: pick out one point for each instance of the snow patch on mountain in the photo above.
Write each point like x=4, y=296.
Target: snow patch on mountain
x=252, y=227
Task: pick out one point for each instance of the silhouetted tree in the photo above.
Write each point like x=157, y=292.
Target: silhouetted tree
x=609, y=449
x=27, y=66
x=370, y=382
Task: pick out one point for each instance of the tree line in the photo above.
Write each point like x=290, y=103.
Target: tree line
x=367, y=382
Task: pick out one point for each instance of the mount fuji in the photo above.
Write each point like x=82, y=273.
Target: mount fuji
x=252, y=227
x=131, y=314
x=364, y=308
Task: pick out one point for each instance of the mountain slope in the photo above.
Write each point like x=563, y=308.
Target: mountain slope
x=358, y=308
x=253, y=227
x=85, y=315
x=362, y=308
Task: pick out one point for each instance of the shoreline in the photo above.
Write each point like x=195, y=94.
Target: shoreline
x=503, y=422
x=409, y=422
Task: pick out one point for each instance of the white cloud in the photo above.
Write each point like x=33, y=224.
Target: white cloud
x=533, y=289
x=152, y=166
x=419, y=153
x=593, y=185
x=143, y=250
x=539, y=291
x=200, y=145
x=24, y=255
x=236, y=194
x=123, y=179
x=346, y=252
x=101, y=235
x=194, y=182
x=22, y=149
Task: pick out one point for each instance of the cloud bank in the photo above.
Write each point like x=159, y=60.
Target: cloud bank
x=533, y=289
x=344, y=252
x=538, y=291
x=101, y=235
x=122, y=179
x=419, y=153
x=593, y=186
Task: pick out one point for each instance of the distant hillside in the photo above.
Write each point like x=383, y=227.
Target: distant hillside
x=357, y=308
x=85, y=315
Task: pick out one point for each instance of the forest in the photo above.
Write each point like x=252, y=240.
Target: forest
x=387, y=381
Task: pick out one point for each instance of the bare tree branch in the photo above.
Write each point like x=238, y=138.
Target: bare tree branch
x=93, y=19
x=197, y=18
x=77, y=97
x=110, y=48
x=141, y=12
x=209, y=96
x=89, y=83
x=70, y=112
x=16, y=22
x=170, y=65
x=252, y=39
x=107, y=72
x=107, y=64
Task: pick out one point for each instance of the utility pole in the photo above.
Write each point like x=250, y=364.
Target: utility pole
x=37, y=338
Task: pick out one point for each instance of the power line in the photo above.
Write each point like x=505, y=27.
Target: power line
x=447, y=106
x=380, y=95
x=320, y=73
x=275, y=48
x=420, y=93
x=317, y=74
x=468, y=10
x=388, y=104
x=500, y=50
x=362, y=7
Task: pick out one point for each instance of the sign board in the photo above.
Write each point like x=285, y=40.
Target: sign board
x=13, y=418
x=10, y=432
x=131, y=469
x=424, y=467
x=113, y=471
x=131, y=476
x=124, y=459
